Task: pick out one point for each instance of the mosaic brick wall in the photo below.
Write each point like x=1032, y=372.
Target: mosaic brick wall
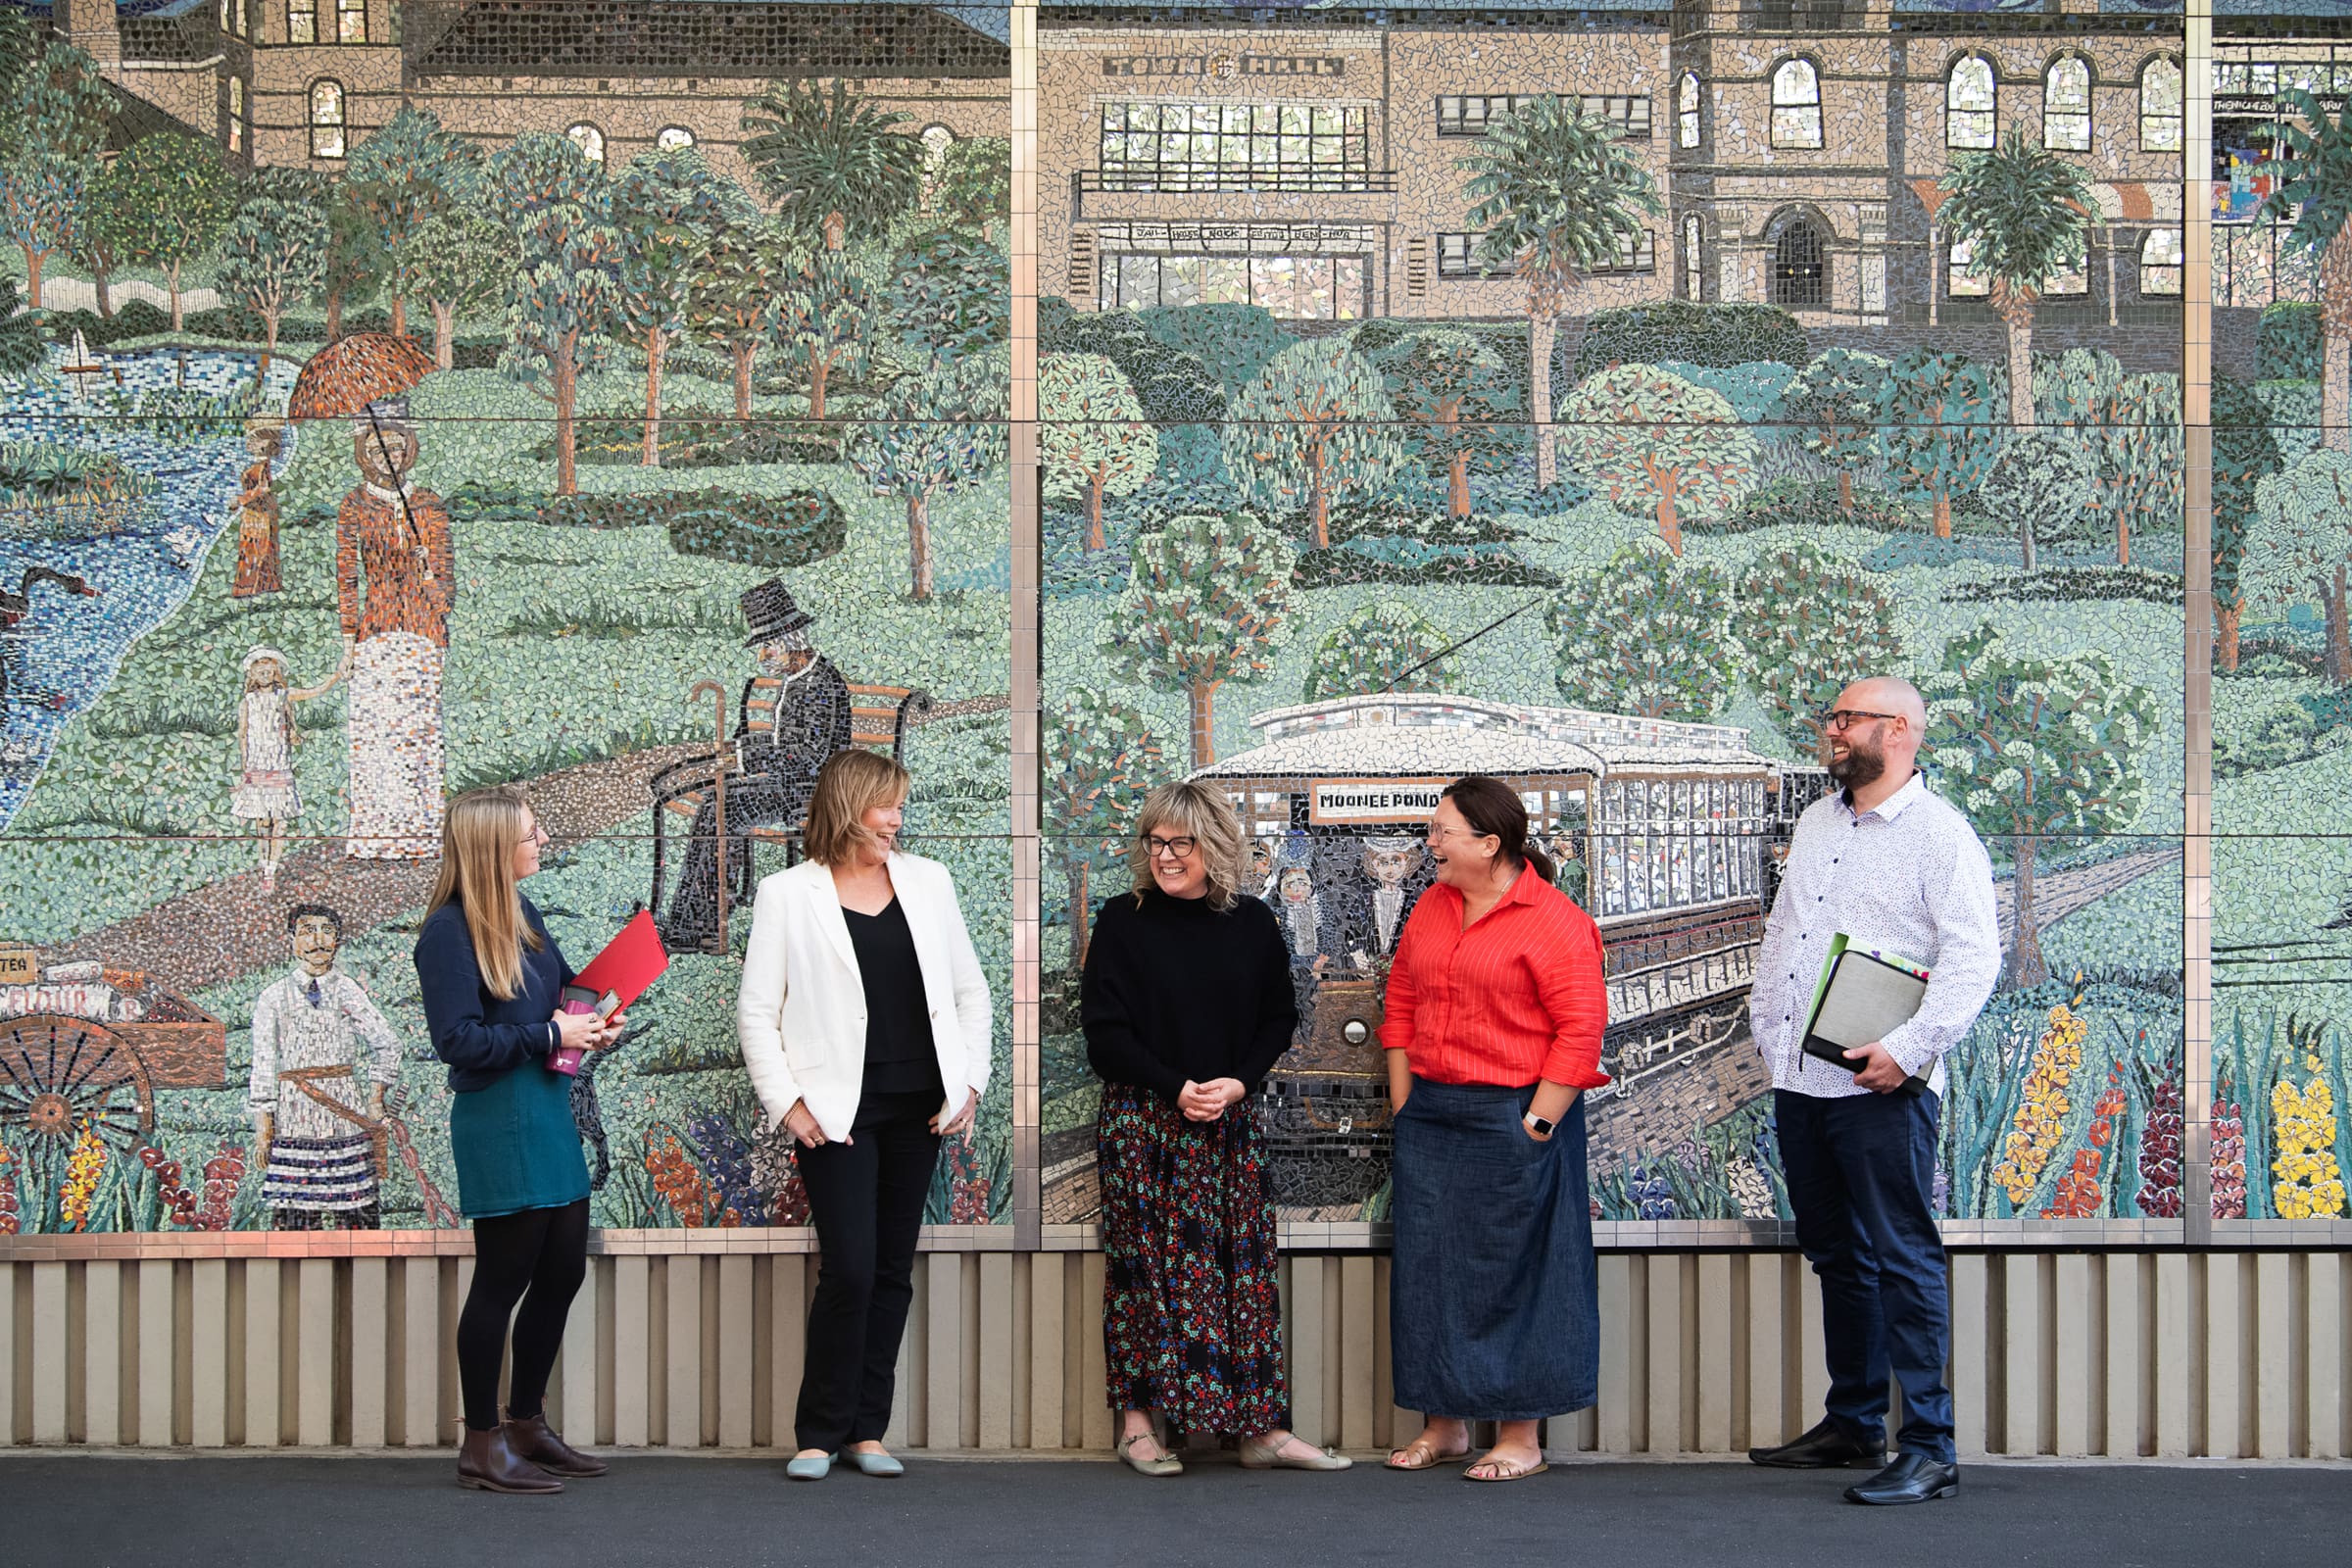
x=1306, y=528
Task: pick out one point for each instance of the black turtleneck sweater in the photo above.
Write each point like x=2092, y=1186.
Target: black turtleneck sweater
x=1175, y=991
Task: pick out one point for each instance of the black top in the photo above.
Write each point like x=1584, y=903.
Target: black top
x=1175, y=991
x=479, y=1036
x=900, y=1056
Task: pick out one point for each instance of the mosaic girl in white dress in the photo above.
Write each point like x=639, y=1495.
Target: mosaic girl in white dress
x=266, y=740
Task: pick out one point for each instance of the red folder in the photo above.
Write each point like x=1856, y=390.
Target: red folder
x=631, y=962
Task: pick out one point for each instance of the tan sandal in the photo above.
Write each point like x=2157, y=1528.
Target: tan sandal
x=1421, y=1454
x=1504, y=1469
x=1167, y=1465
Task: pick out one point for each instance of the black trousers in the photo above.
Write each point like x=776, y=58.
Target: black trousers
x=1861, y=1173
x=866, y=1198
x=537, y=1257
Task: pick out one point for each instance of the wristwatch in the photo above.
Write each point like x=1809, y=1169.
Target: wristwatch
x=1538, y=1125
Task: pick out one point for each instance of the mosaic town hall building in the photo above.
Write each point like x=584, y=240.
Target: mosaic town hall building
x=299, y=82
x=1306, y=159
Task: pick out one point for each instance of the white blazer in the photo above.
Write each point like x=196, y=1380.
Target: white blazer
x=800, y=1014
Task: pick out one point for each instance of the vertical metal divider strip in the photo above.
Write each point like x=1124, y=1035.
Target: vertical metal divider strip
x=2196, y=414
x=1027, y=637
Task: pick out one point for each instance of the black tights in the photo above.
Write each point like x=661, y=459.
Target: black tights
x=542, y=1252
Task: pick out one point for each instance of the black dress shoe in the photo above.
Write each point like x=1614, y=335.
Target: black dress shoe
x=1912, y=1478
x=1828, y=1447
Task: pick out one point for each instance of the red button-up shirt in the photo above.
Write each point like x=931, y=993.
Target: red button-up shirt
x=1515, y=998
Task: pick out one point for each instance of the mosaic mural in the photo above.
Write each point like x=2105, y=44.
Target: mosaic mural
x=2280, y=668
x=1579, y=396
x=678, y=337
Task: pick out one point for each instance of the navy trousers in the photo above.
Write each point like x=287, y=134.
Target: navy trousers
x=1861, y=1176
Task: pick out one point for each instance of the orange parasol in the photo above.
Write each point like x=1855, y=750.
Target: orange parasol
x=348, y=378
x=348, y=374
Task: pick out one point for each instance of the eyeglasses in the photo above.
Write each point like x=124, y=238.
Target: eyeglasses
x=1848, y=718
x=1438, y=835
x=1181, y=849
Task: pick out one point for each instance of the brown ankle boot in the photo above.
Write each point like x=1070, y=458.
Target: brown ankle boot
x=534, y=1440
x=489, y=1463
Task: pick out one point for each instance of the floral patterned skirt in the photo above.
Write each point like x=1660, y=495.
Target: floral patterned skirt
x=1192, y=1308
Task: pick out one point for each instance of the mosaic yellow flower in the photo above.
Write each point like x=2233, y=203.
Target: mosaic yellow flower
x=2309, y=1184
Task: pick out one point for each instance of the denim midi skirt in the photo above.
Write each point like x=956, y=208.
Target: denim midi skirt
x=1493, y=1298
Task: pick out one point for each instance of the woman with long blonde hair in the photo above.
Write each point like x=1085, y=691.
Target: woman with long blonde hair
x=492, y=981
x=1186, y=1002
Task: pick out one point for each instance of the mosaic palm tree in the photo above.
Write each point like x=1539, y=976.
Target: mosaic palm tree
x=2314, y=188
x=2022, y=214
x=839, y=167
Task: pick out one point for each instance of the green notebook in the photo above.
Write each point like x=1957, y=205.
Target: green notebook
x=1863, y=994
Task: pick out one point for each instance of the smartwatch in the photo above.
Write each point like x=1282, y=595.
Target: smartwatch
x=1538, y=1125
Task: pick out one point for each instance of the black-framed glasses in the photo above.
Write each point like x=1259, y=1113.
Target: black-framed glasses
x=1182, y=847
x=1848, y=718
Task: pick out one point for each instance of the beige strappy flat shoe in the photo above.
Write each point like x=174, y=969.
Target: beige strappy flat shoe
x=1257, y=1455
x=1167, y=1465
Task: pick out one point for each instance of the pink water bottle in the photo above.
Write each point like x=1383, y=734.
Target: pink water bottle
x=566, y=1059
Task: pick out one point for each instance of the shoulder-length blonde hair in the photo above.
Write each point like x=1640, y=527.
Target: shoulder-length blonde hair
x=478, y=836
x=853, y=782
x=1204, y=815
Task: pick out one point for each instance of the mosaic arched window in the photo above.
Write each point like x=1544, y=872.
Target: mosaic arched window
x=1969, y=105
x=1685, y=117
x=672, y=139
x=2066, y=105
x=327, y=120
x=1795, y=104
x=2160, y=118
x=589, y=140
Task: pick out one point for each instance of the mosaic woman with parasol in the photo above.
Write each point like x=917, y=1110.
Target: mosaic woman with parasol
x=395, y=579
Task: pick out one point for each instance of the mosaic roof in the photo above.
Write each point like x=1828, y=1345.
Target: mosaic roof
x=719, y=39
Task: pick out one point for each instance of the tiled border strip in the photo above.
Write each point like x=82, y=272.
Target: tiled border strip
x=2196, y=414
x=1028, y=659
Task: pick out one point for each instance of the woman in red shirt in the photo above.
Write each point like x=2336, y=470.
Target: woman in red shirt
x=1496, y=1009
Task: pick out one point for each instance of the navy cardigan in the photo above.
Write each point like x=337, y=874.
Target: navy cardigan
x=481, y=1037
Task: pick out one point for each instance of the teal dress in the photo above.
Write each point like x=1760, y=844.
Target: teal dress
x=510, y=1130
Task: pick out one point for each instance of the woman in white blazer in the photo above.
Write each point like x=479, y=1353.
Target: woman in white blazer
x=864, y=1023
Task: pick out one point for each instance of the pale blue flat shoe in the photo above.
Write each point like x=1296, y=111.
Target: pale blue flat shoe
x=816, y=1468
x=876, y=1464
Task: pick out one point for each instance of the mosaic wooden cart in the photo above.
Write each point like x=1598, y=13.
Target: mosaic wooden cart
x=84, y=1047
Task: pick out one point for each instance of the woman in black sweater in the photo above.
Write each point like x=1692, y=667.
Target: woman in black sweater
x=1186, y=1004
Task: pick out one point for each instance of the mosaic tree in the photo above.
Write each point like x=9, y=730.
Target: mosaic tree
x=562, y=298
x=826, y=313
x=1940, y=427
x=2245, y=453
x=55, y=111
x=357, y=263
x=1658, y=444
x=971, y=184
x=1102, y=757
x=94, y=245
x=2035, y=751
x=1558, y=194
x=1437, y=377
x=403, y=173
x=2313, y=168
x=2130, y=425
x=733, y=305
x=2042, y=483
x=2022, y=213
x=837, y=167
x=935, y=433
x=459, y=266
x=165, y=203
x=272, y=257
x=1388, y=645
x=948, y=293
x=1831, y=409
x=1092, y=440
x=1313, y=426
x=1208, y=604
x=1807, y=622
x=2299, y=549
x=668, y=204
x=1625, y=635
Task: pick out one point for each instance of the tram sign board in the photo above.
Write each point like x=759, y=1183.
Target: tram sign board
x=1374, y=800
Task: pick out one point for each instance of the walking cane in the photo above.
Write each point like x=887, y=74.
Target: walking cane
x=719, y=732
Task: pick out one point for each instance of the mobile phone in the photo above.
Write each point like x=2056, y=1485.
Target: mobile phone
x=607, y=1005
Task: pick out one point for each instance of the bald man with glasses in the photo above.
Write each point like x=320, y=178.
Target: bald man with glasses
x=1892, y=866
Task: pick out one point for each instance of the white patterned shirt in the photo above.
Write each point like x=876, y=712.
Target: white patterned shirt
x=1908, y=876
